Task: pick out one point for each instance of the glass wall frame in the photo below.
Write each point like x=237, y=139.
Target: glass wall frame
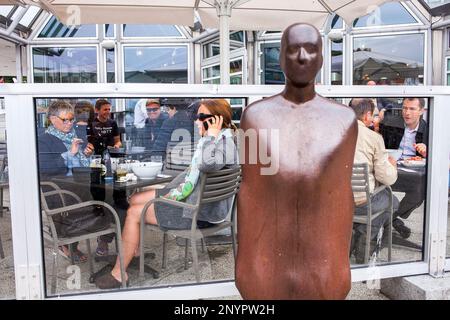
x=23, y=173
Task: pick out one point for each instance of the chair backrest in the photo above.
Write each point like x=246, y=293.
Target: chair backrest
x=178, y=155
x=360, y=179
x=220, y=185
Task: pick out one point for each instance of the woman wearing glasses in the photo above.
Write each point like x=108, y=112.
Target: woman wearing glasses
x=59, y=151
x=215, y=150
x=59, y=147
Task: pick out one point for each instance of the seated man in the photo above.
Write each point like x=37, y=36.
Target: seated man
x=382, y=170
x=411, y=136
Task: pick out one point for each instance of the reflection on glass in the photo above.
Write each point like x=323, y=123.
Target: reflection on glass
x=110, y=66
x=109, y=30
x=85, y=181
x=336, y=61
x=55, y=29
x=64, y=65
x=337, y=22
x=388, y=14
x=211, y=75
x=150, y=30
x=156, y=64
x=408, y=189
x=397, y=59
x=212, y=49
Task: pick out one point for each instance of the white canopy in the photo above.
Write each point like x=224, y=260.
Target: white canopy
x=222, y=14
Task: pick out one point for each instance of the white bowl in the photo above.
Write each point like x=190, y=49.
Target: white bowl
x=137, y=149
x=146, y=170
x=395, y=153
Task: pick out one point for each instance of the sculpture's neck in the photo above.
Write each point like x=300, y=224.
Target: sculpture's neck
x=299, y=94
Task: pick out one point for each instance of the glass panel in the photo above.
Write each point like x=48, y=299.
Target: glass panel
x=110, y=66
x=236, y=79
x=5, y=10
x=169, y=121
x=336, y=62
x=156, y=64
x=29, y=16
x=448, y=79
x=55, y=65
x=7, y=284
x=150, y=30
x=212, y=49
x=388, y=14
x=271, y=67
x=436, y=3
x=408, y=188
x=448, y=65
x=109, y=31
x=55, y=29
x=397, y=59
x=337, y=23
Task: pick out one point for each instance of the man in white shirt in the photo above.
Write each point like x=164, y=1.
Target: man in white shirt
x=382, y=170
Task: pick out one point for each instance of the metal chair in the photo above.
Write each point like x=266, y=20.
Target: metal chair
x=360, y=183
x=178, y=155
x=215, y=186
x=51, y=234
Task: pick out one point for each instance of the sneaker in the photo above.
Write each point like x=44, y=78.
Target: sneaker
x=400, y=227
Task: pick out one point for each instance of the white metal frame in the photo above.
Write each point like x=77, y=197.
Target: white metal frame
x=386, y=34
x=26, y=228
x=64, y=45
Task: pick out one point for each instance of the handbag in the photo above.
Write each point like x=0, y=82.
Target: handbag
x=81, y=221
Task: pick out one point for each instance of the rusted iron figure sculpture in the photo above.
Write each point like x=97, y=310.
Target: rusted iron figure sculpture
x=295, y=226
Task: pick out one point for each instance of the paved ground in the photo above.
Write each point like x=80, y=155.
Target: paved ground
x=217, y=264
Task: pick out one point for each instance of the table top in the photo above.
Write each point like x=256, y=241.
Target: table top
x=110, y=184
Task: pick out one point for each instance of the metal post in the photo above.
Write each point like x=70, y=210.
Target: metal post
x=224, y=13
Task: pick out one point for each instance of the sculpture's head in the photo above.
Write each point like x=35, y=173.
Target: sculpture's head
x=301, y=54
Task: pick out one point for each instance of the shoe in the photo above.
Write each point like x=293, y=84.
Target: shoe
x=78, y=256
x=400, y=227
x=107, y=281
x=102, y=248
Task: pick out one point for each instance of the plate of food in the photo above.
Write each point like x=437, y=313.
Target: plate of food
x=414, y=162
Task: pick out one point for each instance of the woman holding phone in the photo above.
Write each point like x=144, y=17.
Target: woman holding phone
x=215, y=150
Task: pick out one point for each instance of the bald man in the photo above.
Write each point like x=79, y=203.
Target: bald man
x=295, y=226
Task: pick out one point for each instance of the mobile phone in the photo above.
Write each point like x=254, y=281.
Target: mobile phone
x=205, y=125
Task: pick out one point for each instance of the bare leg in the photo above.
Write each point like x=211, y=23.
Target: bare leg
x=131, y=231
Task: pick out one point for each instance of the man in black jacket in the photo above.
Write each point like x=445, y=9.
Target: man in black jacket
x=411, y=136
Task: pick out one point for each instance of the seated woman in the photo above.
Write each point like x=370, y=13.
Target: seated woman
x=215, y=150
x=59, y=151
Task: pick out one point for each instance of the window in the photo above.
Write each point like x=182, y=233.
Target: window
x=336, y=61
x=448, y=71
x=388, y=14
x=337, y=22
x=150, y=30
x=5, y=10
x=395, y=59
x=109, y=31
x=211, y=74
x=212, y=48
x=156, y=64
x=55, y=29
x=110, y=66
x=64, y=65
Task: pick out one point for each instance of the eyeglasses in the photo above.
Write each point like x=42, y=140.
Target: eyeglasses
x=152, y=109
x=203, y=116
x=67, y=120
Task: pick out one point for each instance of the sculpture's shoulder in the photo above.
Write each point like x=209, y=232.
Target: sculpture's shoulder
x=340, y=113
x=260, y=110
